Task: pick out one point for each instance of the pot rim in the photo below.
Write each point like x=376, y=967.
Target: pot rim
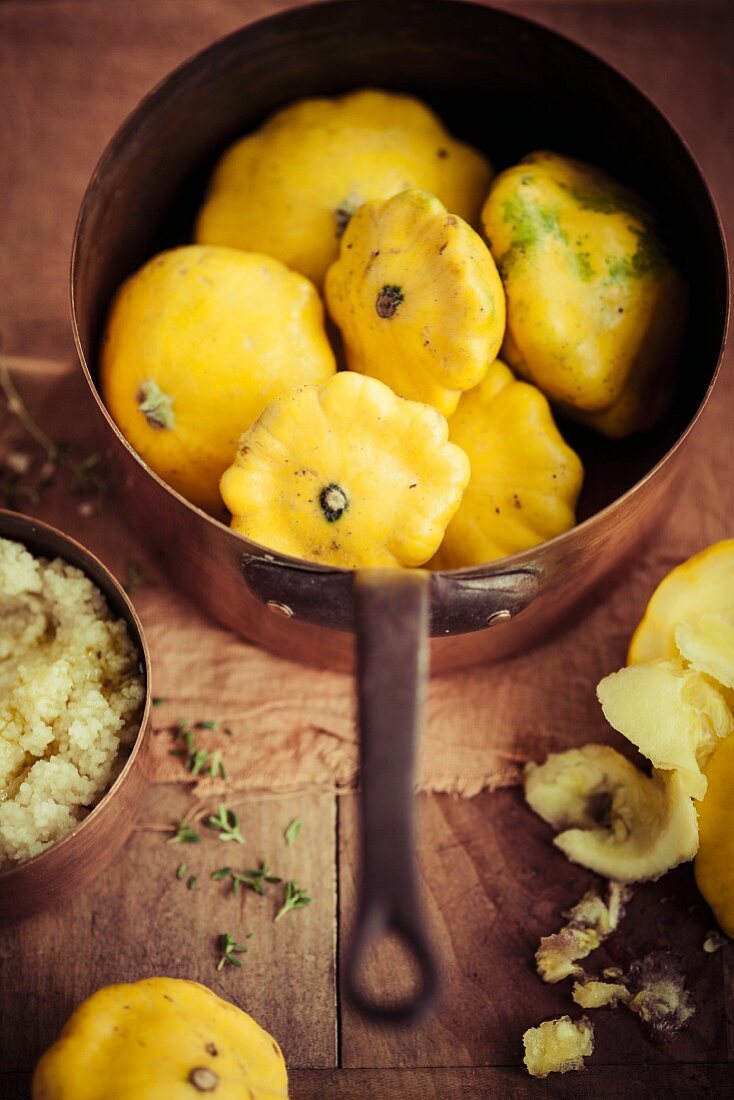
x=179, y=74
x=79, y=553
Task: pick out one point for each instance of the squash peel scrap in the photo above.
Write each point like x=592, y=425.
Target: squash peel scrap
x=613, y=818
x=558, y=1046
x=660, y=997
x=590, y=922
x=654, y=989
x=592, y=993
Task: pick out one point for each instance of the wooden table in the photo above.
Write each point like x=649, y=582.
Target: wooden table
x=70, y=70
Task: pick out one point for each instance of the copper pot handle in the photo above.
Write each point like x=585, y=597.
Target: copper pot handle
x=393, y=613
x=392, y=622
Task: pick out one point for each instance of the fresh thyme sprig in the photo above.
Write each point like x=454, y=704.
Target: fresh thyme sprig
x=230, y=950
x=19, y=480
x=199, y=761
x=294, y=898
x=227, y=823
x=86, y=474
x=185, y=835
x=17, y=407
x=255, y=878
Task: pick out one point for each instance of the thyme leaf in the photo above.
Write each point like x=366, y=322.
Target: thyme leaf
x=185, y=835
x=221, y=873
x=215, y=764
x=294, y=898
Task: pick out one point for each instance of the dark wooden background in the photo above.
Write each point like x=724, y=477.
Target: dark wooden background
x=69, y=72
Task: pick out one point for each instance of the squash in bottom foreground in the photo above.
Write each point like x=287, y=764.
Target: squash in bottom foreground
x=160, y=1037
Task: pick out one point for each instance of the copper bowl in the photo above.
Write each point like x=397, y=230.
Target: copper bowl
x=509, y=86
x=72, y=862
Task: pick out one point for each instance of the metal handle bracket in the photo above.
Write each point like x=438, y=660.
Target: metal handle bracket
x=460, y=603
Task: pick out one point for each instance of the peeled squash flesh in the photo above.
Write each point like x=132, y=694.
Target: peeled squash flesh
x=708, y=645
x=673, y=714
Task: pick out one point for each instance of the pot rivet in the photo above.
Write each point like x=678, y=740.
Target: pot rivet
x=499, y=617
x=281, y=609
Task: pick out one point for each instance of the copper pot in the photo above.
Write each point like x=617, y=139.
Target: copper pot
x=508, y=86
x=72, y=862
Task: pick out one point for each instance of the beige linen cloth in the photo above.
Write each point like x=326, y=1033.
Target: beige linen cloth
x=292, y=727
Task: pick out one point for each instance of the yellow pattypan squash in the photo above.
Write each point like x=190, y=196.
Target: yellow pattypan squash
x=595, y=309
x=346, y=474
x=290, y=188
x=197, y=342
x=160, y=1038
x=691, y=614
x=525, y=479
x=418, y=299
x=714, y=864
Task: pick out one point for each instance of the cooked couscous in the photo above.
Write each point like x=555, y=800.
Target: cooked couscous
x=71, y=696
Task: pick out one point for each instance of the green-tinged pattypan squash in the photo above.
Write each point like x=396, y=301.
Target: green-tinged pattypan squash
x=595, y=309
x=525, y=479
x=160, y=1039
x=418, y=299
x=290, y=188
x=346, y=474
x=198, y=341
